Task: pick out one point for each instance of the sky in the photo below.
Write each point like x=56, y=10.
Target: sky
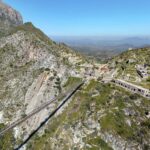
x=87, y=17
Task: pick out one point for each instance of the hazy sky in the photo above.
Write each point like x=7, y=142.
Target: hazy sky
x=87, y=17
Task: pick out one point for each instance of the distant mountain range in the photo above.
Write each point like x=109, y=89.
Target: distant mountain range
x=103, y=48
x=94, y=44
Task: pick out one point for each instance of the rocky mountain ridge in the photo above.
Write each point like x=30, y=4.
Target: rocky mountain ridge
x=33, y=71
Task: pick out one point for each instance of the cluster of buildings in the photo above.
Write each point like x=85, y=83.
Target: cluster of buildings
x=91, y=71
x=95, y=71
x=142, y=71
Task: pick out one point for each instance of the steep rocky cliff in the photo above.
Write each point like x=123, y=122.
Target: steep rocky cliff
x=8, y=18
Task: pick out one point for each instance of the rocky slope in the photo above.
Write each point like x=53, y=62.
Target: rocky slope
x=33, y=71
x=100, y=116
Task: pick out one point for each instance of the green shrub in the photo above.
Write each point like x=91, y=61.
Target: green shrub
x=7, y=140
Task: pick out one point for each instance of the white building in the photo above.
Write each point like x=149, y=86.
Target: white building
x=133, y=88
x=142, y=71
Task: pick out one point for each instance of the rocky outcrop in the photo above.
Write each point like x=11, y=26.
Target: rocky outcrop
x=8, y=18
